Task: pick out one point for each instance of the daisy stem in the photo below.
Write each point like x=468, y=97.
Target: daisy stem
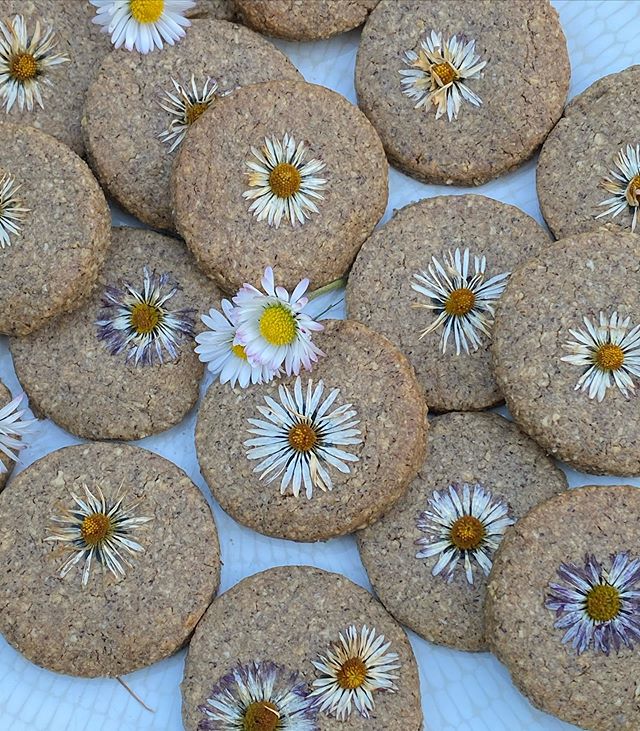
x=332, y=286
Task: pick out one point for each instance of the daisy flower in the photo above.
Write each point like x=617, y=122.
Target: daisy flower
x=185, y=105
x=438, y=73
x=224, y=357
x=354, y=668
x=143, y=24
x=599, y=608
x=465, y=523
x=462, y=297
x=282, y=183
x=302, y=436
x=260, y=696
x=26, y=63
x=100, y=529
x=13, y=427
x=12, y=212
x=624, y=184
x=140, y=323
x=273, y=328
x=609, y=353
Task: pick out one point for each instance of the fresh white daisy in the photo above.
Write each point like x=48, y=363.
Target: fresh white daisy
x=354, y=668
x=273, y=328
x=282, y=184
x=610, y=353
x=185, y=104
x=98, y=528
x=140, y=322
x=624, y=183
x=26, y=63
x=302, y=437
x=462, y=297
x=599, y=608
x=438, y=73
x=224, y=357
x=463, y=523
x=261, y=696
x=12, y=211
x=143, y=24
x=13, y=427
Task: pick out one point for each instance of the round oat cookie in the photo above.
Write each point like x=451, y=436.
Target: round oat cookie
x=304, y=20
x=295, y=615
x=581, y=153
x=51, y=264
x=522, y=89
x=541, y=322
x=71, y=375
x=495, y=459
x=218, y=9
x=341, y=160
x=561, y=553
x=62, y=86
x=377, y=381
x=124, y=116
x=110, y=625
x=404, y=248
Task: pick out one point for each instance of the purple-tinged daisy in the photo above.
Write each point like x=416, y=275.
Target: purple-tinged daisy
x=465, y=523
x=12, y=429
x=599, y=608
x=260, y=696
x=140, y=322
x=273, y=328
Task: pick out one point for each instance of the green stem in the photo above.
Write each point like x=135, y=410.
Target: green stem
x=332, y=286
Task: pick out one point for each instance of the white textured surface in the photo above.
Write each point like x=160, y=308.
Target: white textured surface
x=461, y=692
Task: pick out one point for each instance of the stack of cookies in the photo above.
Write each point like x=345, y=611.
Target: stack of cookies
x=262, y=197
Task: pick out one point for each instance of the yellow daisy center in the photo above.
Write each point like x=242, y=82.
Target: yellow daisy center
x=467, y=533
x=603, y=603
x=239, y=351
x=146, y=11
x=195, y=111
x=445, y=72
x=609, y=357
x=261, y=716
x=285, y=180
x=23, y=67
x=352, y=674
x=460, y=302
x=302, y=437
x=95, y=528
x=278, y=325
x=145, y=318
x=633, y=191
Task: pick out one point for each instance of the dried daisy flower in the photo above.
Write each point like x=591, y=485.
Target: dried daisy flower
x=624, y=183
x=465, y=523
x=354, y=668
x=185, y=106
x=143, y=24
x=461, y=296
x=610, y=353
x=12, y=212
x=26, y=63
x=260, y=696
x=302, y=437
x=599, y=608
x=13, y=427
x=282, y=183
x=438, y=73
x=225, y=358
x=272, y=327
x=140, y=323
x=100, y=529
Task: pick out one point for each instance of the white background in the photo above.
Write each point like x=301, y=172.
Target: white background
x=461, y=692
